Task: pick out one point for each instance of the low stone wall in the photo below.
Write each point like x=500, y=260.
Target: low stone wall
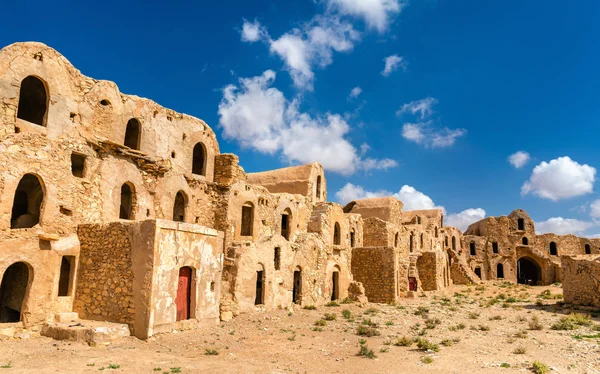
x=581, y=280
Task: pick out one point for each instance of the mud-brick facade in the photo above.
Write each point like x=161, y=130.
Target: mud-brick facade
x=507, y=247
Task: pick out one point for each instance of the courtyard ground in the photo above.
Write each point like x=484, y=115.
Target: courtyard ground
x=494, y=327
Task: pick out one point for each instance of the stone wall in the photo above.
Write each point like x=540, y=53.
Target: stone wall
x=376, y=269
x=581, y=280
x=105, y=287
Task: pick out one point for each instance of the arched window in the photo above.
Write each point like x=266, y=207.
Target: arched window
x=132, y=134
x=319, y=187
x=286, y=226
x=553, y=250
x=352, y=238
x=454, y=243
x=247, y=219
x=199, y=159
x=127, y=200
x=446, y=241
x=495, y=247
x=336, y=234
x=521, y=224
x=33, y=101
x=179, y=207
x=27, y=203
x=499, y=271
x=472, y=248
x=525, y=241
x=588, y=249
x=396, y=240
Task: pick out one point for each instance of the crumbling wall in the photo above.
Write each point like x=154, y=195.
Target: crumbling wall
x=581, y=280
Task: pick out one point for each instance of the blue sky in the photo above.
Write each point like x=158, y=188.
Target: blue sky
x=471, y=83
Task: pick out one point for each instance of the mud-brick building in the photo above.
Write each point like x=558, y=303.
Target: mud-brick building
x=120, y=210
x=402, y=252
x=581, y=280
x=507, y=247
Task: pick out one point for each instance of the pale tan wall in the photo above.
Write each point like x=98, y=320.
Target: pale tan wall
x=581, y=282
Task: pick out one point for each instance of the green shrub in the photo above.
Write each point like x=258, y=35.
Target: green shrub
x=210, y=352
x=332, y=304
x=447, y=342
x=520, y=350
x=367, y=331
x=364, y=351
x=473, y=315
x=535, y=323
x=346, y=314
x=309, y=307
x=426, y=345
x=330, y=317
x=539, y=367
x=404, y=342
x=426, y=359
x=320, y=322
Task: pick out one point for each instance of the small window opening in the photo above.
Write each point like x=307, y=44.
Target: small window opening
x=285, y=226
x=132, y=134
x=396, y=240
x=277, y=258
x=472, y=248
x=198, y=159
x=336, y=234
x=212, y=286
x=179, y=207
x=495, y=247
x=588, y=249
x=412, y=239
x=126, y=207
x=318, y=187
x=418, y=220
x=352, y=238
x=525, y=241
x=65, y=211
x=104, y=102
x=553, y=250
x=422, y=241
x=247, y=218
x=173, y=154
x=436, y=232
x=454, y=243
x=478, y=272
x=521, y=224
x=33, y=101
x=77, y=165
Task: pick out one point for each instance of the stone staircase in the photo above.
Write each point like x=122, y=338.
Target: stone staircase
x=460, y=271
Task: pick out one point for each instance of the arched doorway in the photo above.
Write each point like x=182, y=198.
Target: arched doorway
x=500, y=271
x=184, y=293
x=12, y=292
x=33, y=101
x=199, y=159
x=528, y=271
x=127, y=200
x=179, y=207
x=297, y=287
x=133, y=134
x=335, y=283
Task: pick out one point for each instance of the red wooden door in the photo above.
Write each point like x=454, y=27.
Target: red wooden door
x=183, y=293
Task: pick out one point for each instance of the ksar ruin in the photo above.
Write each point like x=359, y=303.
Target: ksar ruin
x=114, y=209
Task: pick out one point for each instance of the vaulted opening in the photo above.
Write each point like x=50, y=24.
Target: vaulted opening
x=12, y=292
x=412, y=239
x=525, y=241
x=500, y=271
x=453, y=243
x=421, y=241
x=528, y=271
x=127, y=200
x=336, y=234
x=588, y=249
x=553, y=250
x=133, y=134
x=352, y=238
x=396, y=240
x=436, y=232
x=33, y=101
x=247, y=218
x=179, y=207
x=27, y=203
x=199, y=159
x=335, y=285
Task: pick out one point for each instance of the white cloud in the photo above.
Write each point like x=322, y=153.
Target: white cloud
x=392, y=63
x=423, y=133
x=562, y=226
x=559, y=179
x=259, y=116
x=595, y=209
x=356, y=91
x=410, y=197
x=253, y=32
x=519, y=159
x=424, y=107
x=301, y=49
x=376, y=13
x=465, y=218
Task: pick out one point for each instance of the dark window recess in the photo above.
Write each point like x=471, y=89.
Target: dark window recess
x=553, y=250
x=247, y=217
x=285, y=230
x=472, y=249
x=77, y=164
x=27, y=203
x=64, y=282
x=499, y=271
x=478, y=272
x=521, y=224
x=33, y=101
x=495, y=247
x=132, y=134
x=277, y=258
x=336, y=234
x=588, y=249
x=259, y=299
x=125, y=210
x=198, y=159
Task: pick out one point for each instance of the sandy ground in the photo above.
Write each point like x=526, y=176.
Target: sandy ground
x=283, y=342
